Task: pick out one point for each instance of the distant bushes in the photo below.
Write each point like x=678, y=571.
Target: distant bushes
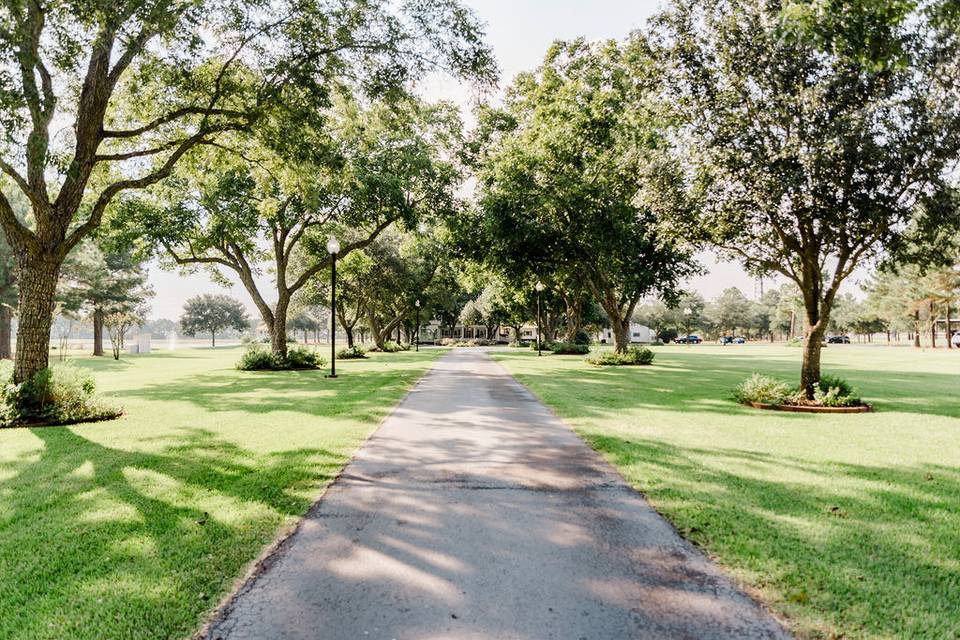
x=472, y=342
x=831, y=391
x=632, y=356
x=570, y=348
x=61, y=394
x=351, y=353
x=259, y=359
x=391, y=347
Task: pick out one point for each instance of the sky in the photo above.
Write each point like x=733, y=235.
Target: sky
x=520, y=31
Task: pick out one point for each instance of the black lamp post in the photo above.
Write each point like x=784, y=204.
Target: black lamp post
x=687, y=312
x=417, y=332
x=539, y=287
x=333, y=247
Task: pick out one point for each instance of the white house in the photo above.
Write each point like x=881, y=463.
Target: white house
x=638, y=333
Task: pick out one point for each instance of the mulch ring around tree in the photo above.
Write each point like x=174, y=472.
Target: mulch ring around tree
x=812, y=408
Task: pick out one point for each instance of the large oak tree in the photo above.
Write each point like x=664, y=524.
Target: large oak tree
x=103, y=97
x=249, y=206
x=817, y=140
x=567, y=171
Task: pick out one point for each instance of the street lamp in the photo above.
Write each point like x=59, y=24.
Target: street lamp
x=539, y=287
x=687, y=312
x=417, y=333
x=333, y=248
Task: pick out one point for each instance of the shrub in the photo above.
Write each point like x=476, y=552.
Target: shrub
x=257, y=359
x=833, y=391
x=391, y=347
x=828, y=382
x=763, y=389
x=448, y=342
x=632, y=356
x=569, y=348
x=351, y=353
x=62, y=394
x=582, y=337
x=303, y=358
x=546, y=345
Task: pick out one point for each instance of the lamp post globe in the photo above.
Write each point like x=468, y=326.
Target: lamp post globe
x=333, y=247
x=417, y=332
x=539, y=287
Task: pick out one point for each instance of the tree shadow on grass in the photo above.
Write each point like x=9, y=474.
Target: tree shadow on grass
x=263, y=392
x=876, y=553
x=705, y=382
x=134, y=543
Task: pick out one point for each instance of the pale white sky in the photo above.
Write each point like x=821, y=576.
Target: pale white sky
x=520, y=32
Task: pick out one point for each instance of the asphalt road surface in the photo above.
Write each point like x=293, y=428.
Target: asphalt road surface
x=475, y=513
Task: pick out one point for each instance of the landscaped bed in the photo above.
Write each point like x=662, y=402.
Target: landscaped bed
x=844, y=524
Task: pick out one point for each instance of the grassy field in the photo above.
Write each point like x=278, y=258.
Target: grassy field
x=847, y=525
x=135, y=528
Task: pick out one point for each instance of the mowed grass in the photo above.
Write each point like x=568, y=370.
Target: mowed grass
x=847, y=525
x=135, y=528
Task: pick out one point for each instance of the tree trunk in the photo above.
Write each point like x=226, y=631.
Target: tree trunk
x=38, y=286
x=916, y=328
x=621, y=334
x=213, y=339
x=6, y=320
x=818, y=318
x=278, y=327
x=574, y=305
x=812, y=345
x=98, y=332
x=933, y=326
x=349, y=332
x=949, y=335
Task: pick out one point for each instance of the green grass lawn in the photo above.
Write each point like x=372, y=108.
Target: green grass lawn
x=135, y=528
x=848, y=525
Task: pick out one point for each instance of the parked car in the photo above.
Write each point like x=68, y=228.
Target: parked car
x=838, y=340
x=691, y=339
x=956, y=339
x=725, y=340
x=739, y=340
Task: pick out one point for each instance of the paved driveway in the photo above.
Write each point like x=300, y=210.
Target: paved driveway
x=474, y=513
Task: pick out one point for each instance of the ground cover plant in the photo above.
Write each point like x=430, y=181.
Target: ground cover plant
x=845, y=524
x=136, y=527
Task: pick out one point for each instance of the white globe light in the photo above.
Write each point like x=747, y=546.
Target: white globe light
x=539, y=286
x=333, y=245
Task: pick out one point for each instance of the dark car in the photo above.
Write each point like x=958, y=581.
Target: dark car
x=838, y=340
x=691, y=339
x=730, y=340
